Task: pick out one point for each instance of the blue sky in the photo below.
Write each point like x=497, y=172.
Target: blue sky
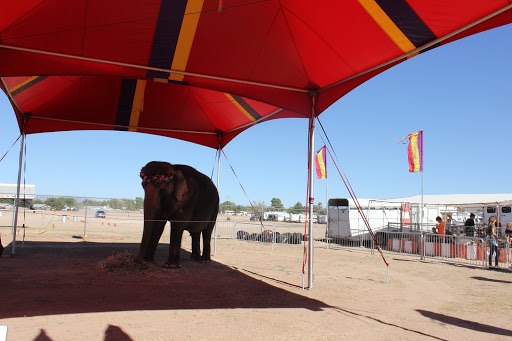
x=459, y=94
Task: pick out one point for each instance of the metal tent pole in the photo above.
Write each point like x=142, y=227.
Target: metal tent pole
x=15, y=218
x=311, y=192
x=218, y=183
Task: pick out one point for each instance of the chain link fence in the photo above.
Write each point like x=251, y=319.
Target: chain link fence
x=64, y=216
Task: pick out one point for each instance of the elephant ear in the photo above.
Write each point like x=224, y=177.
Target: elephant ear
x=181, y=185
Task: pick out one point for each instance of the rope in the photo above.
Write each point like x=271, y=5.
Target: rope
x=243, y=189
x=213, y=169
x=354, y=198
x=10, y=148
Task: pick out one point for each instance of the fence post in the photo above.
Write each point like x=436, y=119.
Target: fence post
x=423, y=245
x=484, y=251
x=273, y=238
x=215, y=236
x=85, y=215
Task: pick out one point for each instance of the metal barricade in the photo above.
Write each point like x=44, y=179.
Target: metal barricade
x=400, y=242
x=455, y=249
x=225, y=229
x=503, y=253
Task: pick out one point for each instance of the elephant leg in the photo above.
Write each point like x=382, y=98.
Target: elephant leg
x=173, y=262
x=152, y=232
x=207, y=236
x=196, y=247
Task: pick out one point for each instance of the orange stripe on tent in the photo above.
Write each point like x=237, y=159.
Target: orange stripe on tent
x=186, y=38
x=26, y=84
x=387, y=25
x=138, y=104
x=242, y=109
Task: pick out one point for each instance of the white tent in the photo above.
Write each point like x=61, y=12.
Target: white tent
x=458, y=200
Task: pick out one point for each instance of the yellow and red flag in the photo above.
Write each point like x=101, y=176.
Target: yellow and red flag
x=415, y=151
x=321, y=165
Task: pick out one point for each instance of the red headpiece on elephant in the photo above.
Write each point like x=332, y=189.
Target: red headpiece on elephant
x=171, y=175
x=159, y=178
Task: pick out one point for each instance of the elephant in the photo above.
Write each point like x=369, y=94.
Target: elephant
x=185, y=197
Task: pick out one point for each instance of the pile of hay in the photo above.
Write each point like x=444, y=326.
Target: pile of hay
x=124, y=262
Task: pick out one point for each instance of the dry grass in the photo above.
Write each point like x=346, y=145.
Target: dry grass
x=124, y=262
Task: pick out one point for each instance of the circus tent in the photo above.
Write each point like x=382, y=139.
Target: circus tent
x=203, y=71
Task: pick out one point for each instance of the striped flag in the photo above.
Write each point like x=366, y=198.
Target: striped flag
x=415, y=151
x=321, y=166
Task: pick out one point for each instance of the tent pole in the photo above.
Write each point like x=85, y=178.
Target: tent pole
x=310, y=186
x=218, y=183
x=15, y=217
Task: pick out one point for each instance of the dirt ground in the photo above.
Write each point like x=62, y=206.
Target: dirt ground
x=53, y=290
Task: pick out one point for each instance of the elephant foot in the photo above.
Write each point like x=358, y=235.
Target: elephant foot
x=172, y=266
x=205, y=260
x=195, y=258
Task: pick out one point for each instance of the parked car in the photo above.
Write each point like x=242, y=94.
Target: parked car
x=255, y=218
x=100, y=214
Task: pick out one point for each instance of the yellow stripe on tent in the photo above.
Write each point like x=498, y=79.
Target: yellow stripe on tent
x=242, y=109
x=186, y=38
x=23, y=83
x=387, y=25
x=138, y=104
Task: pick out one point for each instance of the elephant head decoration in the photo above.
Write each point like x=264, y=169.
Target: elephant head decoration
x=185, y=197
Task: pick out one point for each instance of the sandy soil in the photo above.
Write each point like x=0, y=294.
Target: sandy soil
x=53, y=290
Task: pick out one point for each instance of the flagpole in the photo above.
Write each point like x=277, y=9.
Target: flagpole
x=421, y=215
x=422, y=173
x=327, y=211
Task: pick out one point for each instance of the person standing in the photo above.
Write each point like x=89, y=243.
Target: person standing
x=469, y=229
x=493, y=241
x=508, y=233
x=440, y=225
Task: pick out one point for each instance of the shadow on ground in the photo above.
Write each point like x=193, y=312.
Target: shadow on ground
x=480, y=327
x=48, y=278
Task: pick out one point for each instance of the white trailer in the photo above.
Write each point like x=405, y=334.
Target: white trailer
x=275, y=216
x=297, y=217
x=502, y=212
x=345, y=220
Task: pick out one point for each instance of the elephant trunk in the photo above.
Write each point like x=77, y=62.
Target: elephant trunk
x=154, y=224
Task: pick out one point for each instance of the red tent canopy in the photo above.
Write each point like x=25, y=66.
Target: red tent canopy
x=149, y=62
x=279, y=52
x=60, y=103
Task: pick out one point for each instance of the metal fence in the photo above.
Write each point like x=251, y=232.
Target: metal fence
x=120, y=224
x=474, y=251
